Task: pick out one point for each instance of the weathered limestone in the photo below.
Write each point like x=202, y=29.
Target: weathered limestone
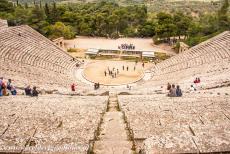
x=27, y=57
x=190, y=124
x=3, y=23
x=46, y=123
x=114, y=137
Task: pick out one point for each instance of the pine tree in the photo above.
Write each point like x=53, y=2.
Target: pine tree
x=26, y=6
x=40, y=4
x=224, y=21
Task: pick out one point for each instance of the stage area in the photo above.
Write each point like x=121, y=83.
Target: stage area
x=141, y=44
x=98, y=71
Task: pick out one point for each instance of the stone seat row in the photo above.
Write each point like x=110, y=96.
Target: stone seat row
x=50, y=121
x=24, y=75
x=24, y=48
x=27, y=55
x=203, y=119
x=215, y=49
x=211, y=75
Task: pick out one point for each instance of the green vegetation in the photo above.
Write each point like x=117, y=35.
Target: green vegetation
x=72, y=50
x=161, y=56
x=109, y=19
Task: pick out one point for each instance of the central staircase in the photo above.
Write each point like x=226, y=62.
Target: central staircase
x=114, y=137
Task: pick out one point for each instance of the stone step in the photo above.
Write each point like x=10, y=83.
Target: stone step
x=113, y=138
x=113, y=105
x=113, y=99
x=113, y=147
x=112, y=109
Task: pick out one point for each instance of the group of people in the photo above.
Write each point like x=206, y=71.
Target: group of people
x=7, y=88
x=127, y=46
x=96, y=86
x=31, y=92
x=113, y=73
x=174, y=91
x=196, y=82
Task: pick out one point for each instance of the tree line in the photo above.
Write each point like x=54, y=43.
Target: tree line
x=108, y=19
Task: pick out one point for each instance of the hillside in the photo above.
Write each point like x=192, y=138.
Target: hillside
x=194, y=6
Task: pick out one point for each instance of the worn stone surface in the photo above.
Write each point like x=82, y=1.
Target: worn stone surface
x=50, y=123
x=195, y=123
x=113, y=138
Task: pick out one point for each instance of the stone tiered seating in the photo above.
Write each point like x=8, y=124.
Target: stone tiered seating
x=28, y=57
x=209, y=60
x=3, y=23
x=191, y=124
x=212, y=75
x=49, y=122
x=215, y=49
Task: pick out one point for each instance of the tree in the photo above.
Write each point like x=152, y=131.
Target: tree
x=47, y=11
x=59, y=29
x=165, y=27
x=6, y=6
x=224, y=21
x=147, y=29
x=182, y=23
x=22, y=15
x=37, y=19
x=53, y=13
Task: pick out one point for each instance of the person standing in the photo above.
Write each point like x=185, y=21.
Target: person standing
x=143, y=64
x=73, y=87
x=105, y=73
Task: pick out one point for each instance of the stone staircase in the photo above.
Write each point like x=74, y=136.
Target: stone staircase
x=114, y=137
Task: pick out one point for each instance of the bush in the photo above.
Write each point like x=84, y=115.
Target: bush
x=114, y=35
x=72, y=50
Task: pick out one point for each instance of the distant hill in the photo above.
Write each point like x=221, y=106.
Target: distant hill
x=190, y=6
